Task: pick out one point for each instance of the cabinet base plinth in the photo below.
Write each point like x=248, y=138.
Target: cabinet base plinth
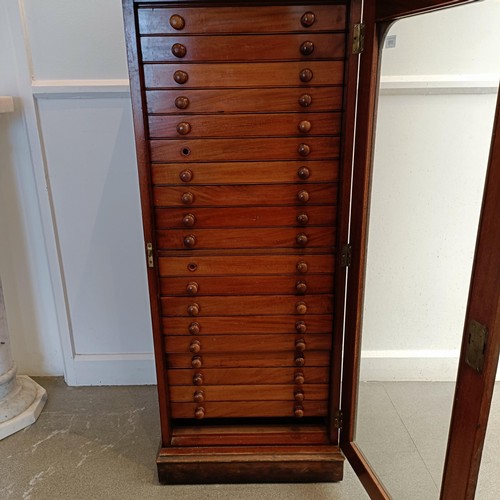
x=264, y=464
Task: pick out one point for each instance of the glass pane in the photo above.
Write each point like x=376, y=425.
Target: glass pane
x=434, y=123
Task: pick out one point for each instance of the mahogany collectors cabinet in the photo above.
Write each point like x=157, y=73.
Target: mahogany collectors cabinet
x=244, y=118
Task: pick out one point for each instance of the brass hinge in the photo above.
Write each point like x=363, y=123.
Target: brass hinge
x=358, y=38
x=476, y=345
x=346, y=255
x=149, y=253
x=338, y=419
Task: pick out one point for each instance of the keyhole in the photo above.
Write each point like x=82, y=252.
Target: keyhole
x=185, y=151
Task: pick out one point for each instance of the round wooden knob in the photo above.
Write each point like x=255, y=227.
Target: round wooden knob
x=300, y=360
x=303, y=196
x=179, y=50
x=181, y=77
x=301, y=307
x=301, y=327
x=189, y=220
x=308, y=19
x=303, y=173
x=304, y=126
x=298, y=411
x=194, y=328
x=177, y=22
x=183, y=128
x=186, y=175
x=193, y=309
x=301, y=286
x=305, y=75
x=302, y=219
x=305, y=100
x=304, y=149
x=199, y=413
x=300, y=345
x=187, y=198
x=195, y=347
x=298, y=396
x=198, y=379
x=181, y=102
x=196, y=362
x=192, y=288
x=302, y=268
x=302, y=239
x=306, y=49
x=190, y=241
x=199, y=396
x=298, y=378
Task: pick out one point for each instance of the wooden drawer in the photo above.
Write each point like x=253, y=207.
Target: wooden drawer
x=242, y=47
x=245, y=100
x=267, y=74
x=178, y=325
x=202, y=218
x=246, y=173
x=288, y=237
x=235, y=376
x=245, y=285
x=256, y=125
x=245, y=195
x=249, y=409
x=231, y=344
x=246, y=305
x=283, y=148
x=244, y=19
x=216, y=265
x=249, y=360
x=313, y=392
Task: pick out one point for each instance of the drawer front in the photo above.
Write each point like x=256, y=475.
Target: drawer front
x=262, y=19
x=202, y=218
x=246, y=173
x=182, y=48
x=249, y=409
x=235, y=376
x=218, y=75
x=261, y=125
x=220, y=325
x=216, y=265
x=230, y=344
x=314, y=392
x=245, y=195
x=246, y=305
x=249, y=360
x=245, y=100
x=190, y=150
x=199, y=239
x=244, y=285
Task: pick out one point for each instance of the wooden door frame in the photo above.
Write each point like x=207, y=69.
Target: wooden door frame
x=377, y=17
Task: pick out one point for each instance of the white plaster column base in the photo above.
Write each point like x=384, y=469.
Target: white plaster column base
x=22, y=406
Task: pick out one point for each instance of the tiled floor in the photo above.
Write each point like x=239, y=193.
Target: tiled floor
x=403, y=431
x=101, y=442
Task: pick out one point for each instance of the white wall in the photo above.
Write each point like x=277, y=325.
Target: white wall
x=71, y=257
x=434, y=124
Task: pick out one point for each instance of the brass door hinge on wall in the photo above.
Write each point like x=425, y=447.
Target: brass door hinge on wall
x=346, y=255
x=358, y=38
x=149, y=253
x=338, y=419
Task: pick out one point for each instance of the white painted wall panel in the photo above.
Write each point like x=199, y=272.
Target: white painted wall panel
x=92, y=173
x=71, y=39
x=458, y=41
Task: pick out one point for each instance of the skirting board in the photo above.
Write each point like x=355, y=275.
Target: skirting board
x=410, y=365
x=112, y=369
